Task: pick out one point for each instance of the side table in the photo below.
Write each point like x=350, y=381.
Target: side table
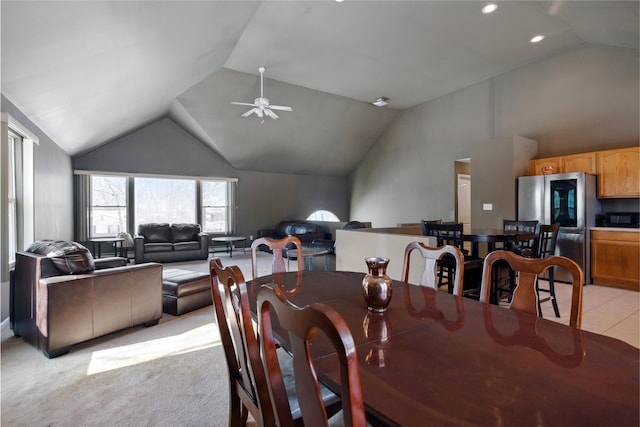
x=115, y=241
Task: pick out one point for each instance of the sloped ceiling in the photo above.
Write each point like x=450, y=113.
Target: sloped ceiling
x=89, y=72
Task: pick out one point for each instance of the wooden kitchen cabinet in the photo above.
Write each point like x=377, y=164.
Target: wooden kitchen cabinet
x=537, y=166
x=619, y=172
x=615, y=259
x=585, y=162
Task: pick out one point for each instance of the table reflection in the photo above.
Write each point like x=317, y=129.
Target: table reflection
x=376, y=326
x=527, y=335
x=429, y=308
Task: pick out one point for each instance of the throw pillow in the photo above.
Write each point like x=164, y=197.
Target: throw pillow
x=68, y=257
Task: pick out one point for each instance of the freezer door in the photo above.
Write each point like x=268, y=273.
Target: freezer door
x=573, y=246
x=531, y=198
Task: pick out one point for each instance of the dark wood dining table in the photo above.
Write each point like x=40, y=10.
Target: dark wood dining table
x=437, y=359
x=493, y=236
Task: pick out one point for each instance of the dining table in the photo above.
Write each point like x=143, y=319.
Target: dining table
x=491, y=236
x=433, y=358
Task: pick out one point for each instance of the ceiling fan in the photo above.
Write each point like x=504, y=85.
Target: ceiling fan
x=261, y=106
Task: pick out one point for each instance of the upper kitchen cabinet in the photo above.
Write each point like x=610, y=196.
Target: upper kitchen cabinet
x=545, y=166
x=585, y=162
x=619, y=172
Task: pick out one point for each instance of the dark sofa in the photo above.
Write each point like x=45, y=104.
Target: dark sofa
x=60, y=297
x=306, y=231
x=170, y=243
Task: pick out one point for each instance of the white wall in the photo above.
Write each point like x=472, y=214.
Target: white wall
x=584, y=99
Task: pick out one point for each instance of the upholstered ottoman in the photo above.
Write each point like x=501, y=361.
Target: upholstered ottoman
x=184, y=291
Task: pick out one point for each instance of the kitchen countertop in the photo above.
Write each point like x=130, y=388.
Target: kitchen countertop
x=632, y=230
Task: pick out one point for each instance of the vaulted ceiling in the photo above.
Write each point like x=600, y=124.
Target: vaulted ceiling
x=89, y=72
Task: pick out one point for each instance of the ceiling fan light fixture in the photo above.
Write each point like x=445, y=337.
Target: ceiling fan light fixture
x=381, y=101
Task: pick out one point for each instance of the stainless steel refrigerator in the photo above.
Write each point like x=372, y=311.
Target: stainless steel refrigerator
x=568, y=199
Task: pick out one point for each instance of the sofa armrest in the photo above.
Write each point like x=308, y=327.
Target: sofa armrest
x=268, y=232
x=138, y=244
x=203, y=238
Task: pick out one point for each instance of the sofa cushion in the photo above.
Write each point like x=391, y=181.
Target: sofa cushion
x=68, y=257
x=155, y=233
x=305, y=228
x=158, y=247
x=184, y=232
x=186, y=246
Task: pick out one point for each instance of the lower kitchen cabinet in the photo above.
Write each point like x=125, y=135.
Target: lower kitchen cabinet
x=615, y=258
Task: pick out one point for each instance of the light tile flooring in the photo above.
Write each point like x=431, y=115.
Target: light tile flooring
x=607, y=311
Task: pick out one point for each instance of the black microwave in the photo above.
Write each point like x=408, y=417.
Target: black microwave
x=622, y=219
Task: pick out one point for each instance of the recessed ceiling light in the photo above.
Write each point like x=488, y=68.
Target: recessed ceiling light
x=491, y=7
x=536, y=39
x=339, y=1
x=381, y=102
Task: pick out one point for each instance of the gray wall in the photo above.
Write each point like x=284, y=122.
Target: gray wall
x=584, y=99
x=53, y=191
x=264, y=199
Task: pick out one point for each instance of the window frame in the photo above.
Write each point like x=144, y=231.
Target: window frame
x=84, y=204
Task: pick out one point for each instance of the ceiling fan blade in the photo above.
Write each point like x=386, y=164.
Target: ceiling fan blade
x=243, y=103
x=270, y=113
x=280, y=107
x=253, y=110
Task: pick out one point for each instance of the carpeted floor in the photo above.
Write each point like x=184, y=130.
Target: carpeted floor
x=171, y=374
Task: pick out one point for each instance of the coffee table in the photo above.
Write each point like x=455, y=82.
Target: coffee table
x=308, y=254
x=229, y=241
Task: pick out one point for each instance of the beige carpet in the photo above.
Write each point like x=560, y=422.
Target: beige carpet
x=171, y=374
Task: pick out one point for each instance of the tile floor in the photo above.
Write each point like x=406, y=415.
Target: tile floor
x=607, y=311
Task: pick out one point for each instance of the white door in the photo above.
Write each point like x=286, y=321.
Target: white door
x=464, y=201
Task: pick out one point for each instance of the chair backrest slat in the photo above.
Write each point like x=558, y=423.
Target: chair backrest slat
x=429, y=276
x=525, y=297
x=279, y=247
x=241, y=348
x=302, y=325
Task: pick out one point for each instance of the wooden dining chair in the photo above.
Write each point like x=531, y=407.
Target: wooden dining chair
x=504, y=278
x=248, y=391
x=520, y=247
x=525, y=295
x=545, y=245
x=451, y=234
x=247, y=383
x=302, y=325
x=429, y=276
x=279, y=248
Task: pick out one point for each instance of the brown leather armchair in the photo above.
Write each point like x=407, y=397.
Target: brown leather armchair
x=53, y=311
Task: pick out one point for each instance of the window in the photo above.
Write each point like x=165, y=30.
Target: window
x=323, y=216
x=164, y=200
x=215, y=206
x=16, y=189
x=107, y=204
x=108, y=213
x=11, y=208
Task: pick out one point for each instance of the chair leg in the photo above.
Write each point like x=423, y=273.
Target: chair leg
x=552, y=292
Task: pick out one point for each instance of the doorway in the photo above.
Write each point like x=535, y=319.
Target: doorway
x=464, y=201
